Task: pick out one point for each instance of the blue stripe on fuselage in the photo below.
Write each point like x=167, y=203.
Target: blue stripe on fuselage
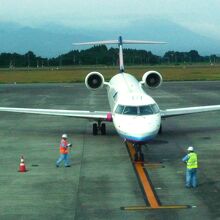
x=138, y=139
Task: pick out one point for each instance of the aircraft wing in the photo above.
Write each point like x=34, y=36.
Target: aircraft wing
x=96, y=115
x=190, y=110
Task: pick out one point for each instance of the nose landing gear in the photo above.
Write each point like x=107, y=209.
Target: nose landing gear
x=138, y=156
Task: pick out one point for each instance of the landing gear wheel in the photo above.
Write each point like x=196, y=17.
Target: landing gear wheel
x=95, y=129
x=103, y=129
x=136, y=157
x=142, y=157
x=139, y=156
x=160, y=130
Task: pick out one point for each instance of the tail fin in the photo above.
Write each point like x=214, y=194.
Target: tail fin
x=120, y=43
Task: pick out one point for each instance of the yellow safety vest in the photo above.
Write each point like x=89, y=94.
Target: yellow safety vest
x=192, y=161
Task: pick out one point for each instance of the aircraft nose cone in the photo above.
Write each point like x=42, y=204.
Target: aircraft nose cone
x=137, y=127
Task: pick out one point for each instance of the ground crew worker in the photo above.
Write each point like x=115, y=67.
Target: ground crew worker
x=191, y=168
x=64, y=145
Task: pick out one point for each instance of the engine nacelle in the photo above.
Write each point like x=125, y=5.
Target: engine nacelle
x=152, y=79
x=94, y=80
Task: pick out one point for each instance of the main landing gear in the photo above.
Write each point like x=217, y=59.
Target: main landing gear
x=138, y=156
x=160, y=130
x=98, y=127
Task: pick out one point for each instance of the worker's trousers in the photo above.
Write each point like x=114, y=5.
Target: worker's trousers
x=63, y=157
x=191, y=177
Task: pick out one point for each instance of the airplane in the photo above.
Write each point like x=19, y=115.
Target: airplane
x=135, y=115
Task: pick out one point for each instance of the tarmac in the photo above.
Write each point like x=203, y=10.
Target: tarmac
x=102, y=179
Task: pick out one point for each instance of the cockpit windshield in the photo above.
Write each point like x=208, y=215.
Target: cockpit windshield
x=130, y=110
x=137, y=110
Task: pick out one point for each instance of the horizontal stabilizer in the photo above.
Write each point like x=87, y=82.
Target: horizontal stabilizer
x=97, y=42
x=142, y=42
x=117, y=42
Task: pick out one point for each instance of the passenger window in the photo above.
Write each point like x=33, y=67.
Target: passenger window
x=115, y=96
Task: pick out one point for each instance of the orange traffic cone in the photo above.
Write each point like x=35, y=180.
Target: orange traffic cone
x=22, y=167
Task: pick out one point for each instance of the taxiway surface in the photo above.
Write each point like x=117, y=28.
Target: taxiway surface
x=101, y=179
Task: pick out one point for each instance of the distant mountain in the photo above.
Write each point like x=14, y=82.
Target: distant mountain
x=52, y=40
x=177, y=37
x=42, y=42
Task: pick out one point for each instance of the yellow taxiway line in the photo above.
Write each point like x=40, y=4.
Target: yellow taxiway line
x=147, y=187
x=148, y=191
x=143, y=208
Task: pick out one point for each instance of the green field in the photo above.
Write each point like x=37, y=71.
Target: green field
x=77, y=74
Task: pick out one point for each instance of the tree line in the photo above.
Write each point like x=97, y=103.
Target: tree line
x=103, y=56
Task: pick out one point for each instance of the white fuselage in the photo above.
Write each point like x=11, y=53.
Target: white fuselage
x=135, y=114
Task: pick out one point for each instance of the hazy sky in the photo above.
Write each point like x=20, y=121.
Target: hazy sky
x=201, y=16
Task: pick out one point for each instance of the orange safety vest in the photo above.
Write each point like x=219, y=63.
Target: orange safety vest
x=63, y=146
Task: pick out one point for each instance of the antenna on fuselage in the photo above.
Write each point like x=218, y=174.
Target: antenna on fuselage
x=120, y=43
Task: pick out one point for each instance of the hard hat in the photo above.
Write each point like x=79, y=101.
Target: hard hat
x=190, y=148
x=64, y=136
